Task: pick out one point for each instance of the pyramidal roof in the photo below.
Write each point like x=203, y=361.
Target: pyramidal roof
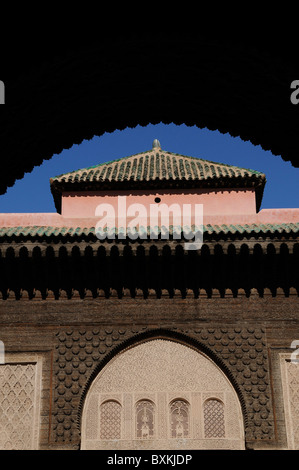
x=157, y=169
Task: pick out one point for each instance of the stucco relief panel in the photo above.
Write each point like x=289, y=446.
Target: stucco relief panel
x=187, y=392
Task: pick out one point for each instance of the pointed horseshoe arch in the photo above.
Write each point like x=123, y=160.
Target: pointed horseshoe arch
x=161, y=393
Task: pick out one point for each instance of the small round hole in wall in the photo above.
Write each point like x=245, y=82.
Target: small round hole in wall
x=157, y=199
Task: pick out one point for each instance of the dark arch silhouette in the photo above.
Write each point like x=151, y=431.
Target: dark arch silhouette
x=83, y=86
x=162, y=333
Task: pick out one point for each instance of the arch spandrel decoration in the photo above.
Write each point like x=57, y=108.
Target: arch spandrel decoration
x=162, y=388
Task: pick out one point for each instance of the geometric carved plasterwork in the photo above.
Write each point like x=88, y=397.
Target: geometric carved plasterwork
x=290, y=383
x=244, y=351
x=19, y=403
x=165, y=387
x=110, y=418
x=79, y=351
x=179, y=419
x=145, y=419
x=214, y=419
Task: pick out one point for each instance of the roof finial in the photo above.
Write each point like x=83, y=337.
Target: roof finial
x=156, y=144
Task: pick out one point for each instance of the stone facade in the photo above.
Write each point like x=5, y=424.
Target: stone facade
x=244, y=337
x=125, y=344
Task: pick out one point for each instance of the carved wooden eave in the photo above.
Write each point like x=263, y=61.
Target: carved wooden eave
x=82, y=267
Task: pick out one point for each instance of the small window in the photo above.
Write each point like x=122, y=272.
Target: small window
x=110, y=420
x=145, y=410
x=214, y=419
x=179, y=419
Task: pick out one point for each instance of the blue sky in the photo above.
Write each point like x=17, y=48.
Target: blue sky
x=32, y=193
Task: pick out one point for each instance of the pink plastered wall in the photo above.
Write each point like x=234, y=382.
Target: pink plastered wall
x=219, y=207
x=265, y=216
x=215, y=202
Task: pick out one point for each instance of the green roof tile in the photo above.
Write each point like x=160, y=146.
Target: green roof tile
x=48, y=231
x=177, y=167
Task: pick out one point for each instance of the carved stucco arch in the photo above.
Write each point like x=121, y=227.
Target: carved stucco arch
x=174, y=338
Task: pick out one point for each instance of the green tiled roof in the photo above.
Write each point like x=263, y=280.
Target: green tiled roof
x=153, y=165
x=156, y=168
x=45, y=231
